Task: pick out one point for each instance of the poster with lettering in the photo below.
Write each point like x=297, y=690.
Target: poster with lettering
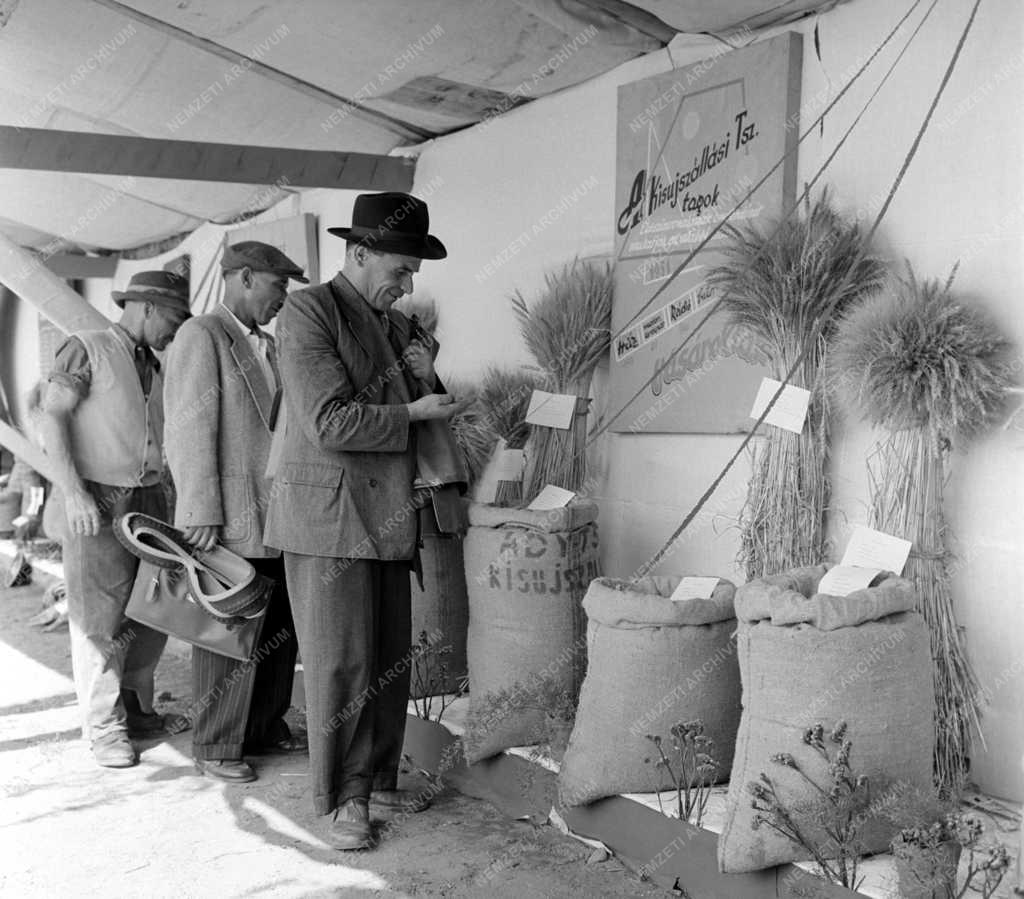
x=692, y=144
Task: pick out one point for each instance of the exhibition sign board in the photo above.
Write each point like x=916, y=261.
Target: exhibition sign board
x=692, y=143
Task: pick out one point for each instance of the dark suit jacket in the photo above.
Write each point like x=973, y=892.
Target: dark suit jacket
x=343, y=486
x=217, y=408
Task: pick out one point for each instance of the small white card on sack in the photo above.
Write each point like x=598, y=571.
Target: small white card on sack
x=694, y=588
x=867, y=555
x=551, y=497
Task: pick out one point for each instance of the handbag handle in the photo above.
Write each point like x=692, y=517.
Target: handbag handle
x=160, y=545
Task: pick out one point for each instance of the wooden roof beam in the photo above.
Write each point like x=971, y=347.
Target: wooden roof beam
x=46, y=149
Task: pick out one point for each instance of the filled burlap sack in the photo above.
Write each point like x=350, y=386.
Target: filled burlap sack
x=873, y=673
x=526, y=574
x=652, y=663
x=441, y=610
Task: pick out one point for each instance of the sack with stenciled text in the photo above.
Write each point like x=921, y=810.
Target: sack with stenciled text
x=526, y=575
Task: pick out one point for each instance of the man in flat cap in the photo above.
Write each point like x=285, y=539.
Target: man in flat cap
x=222, y=394
x=102, y=424
x=343, y=507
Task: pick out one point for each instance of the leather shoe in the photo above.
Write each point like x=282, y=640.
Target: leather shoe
x=293, y=743
x=114, y=751
x=350, y=828
x=229, y=770
x=401, y=800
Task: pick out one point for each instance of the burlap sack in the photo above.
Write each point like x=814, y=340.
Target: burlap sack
x=441, y=609
x=652, y=664
x=526, y=573
x=875, y=675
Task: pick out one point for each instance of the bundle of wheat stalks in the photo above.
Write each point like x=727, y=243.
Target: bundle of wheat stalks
x=568, y=330
x=503, y=400
x=786, y=285
x=934, y=373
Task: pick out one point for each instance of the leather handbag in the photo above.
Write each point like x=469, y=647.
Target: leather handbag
x=162, y=600
x=213, y=599
x=223, y=583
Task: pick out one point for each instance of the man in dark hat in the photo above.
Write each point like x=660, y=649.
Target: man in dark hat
x=102, y=424
x=222, y=394
x=343, y=508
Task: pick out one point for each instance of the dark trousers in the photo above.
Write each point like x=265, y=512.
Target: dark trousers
x=244, y=703
x=353, y=622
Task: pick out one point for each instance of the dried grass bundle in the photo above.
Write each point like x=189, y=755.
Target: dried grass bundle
x=916, y=357
x=504, y=399
x=786, y=285
x=568, y=330
x=933, y=371
x=474, y=439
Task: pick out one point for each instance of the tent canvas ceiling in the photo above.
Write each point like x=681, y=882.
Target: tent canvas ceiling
x=419, y=69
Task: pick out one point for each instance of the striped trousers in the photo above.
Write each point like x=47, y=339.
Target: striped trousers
x=242, y=704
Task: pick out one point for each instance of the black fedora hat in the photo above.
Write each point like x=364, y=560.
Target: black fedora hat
x=392, y=223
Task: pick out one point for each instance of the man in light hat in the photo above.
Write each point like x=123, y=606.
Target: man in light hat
x=343, y=507
x=102, y=424
x=222, y=394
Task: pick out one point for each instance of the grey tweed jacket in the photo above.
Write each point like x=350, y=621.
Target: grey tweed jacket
x=344, y=483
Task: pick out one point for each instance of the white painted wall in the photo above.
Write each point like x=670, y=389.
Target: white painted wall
x=537, y=185
x=962, y=198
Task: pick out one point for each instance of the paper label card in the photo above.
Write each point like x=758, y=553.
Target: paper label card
x=551, y=497
x=551, y=410
x=790, y=409
x=842, y=580
x=869, y=548
x=694, y=588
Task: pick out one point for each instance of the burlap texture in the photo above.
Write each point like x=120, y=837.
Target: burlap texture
x=876, y=676
x=526, y=621
x=652, y=663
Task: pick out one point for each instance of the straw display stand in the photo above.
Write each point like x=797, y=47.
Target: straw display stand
x=783, y=289
x=568, y=330
x=934, y=373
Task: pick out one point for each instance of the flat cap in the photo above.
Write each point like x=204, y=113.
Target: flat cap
x=260, y=257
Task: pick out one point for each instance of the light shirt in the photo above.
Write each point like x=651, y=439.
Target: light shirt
x=260, y=344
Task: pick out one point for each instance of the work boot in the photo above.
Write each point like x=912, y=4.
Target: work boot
x=114, y=750
x=350, y=828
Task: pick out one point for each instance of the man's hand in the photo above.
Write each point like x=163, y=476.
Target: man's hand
x=82, y=513
x=434, y=405
x=204, y=537
x=418, y=360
